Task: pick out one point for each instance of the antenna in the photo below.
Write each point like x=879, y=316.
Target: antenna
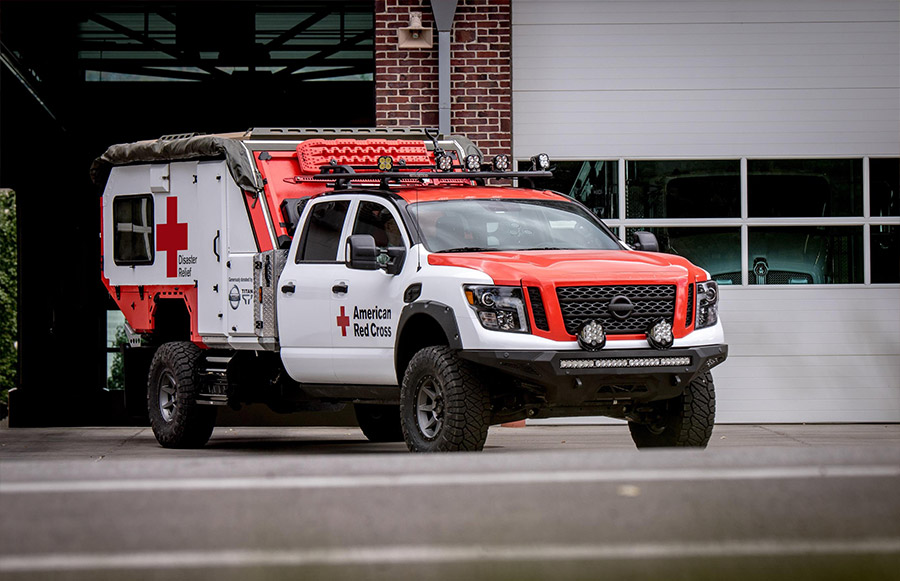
x=419, y=228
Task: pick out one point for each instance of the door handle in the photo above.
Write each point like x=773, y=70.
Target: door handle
x=339, y=288
x=288, y=288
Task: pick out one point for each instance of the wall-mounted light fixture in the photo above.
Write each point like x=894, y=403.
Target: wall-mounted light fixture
x=415, y=35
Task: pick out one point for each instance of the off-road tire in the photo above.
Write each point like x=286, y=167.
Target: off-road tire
x=379, y=423
x=178, y=421
x=464, y=407
x=686, y=421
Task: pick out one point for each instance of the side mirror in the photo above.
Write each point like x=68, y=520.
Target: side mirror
x=645, y=241
x=396, y=256
x=362, y=254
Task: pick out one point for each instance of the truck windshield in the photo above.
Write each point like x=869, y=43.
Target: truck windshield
x=508, y=225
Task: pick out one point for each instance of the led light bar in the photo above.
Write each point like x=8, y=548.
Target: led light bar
x=620, y=362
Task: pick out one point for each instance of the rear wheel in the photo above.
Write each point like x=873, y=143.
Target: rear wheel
x=380, y=423
x=443, y=405
x=686, y=420
x=178, y=421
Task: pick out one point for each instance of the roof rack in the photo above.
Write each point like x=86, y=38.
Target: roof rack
x=335, y=132
x=343, y=175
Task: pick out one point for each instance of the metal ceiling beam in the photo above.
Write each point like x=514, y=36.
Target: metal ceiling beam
x=140, y=37
x=26, y=78
x=321, y=57
x=293, y=31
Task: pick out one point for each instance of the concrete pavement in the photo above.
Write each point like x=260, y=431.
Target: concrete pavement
x=563, y=502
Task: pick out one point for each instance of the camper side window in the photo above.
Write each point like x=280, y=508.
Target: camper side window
x=133, y=230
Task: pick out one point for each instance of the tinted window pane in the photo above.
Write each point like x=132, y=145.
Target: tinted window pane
x=133, y=230
x=716, y=250
x=683, y=189
x=884, y=175
x=808, y=188
x=593, y=183
x=885, y=245
x=806, y=255
x=323, y=231
x=377, y=221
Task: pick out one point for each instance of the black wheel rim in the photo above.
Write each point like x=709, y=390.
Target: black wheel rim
x=168, y=396
x=429, y=408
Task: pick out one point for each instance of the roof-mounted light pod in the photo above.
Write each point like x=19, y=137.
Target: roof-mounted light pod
x=500, y=162
x=540, y=162
x=473, y=162
x=443, y=161
x=385, y=163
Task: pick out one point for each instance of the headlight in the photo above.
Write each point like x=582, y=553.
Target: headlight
x=707, y=304
x=540, y=162
x=473, y=162
x=499, y=308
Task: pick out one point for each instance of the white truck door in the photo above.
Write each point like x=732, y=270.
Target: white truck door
x=368, y=308
x=305, y=289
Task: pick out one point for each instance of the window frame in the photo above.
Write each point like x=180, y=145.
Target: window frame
x=116, y=233
x=866, y=221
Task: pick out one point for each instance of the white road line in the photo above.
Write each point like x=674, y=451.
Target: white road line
x=414, y=554
x=449, y=479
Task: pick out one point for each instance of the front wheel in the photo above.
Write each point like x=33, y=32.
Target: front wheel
x=443, y=405
x=178, y=421
x=686, y=420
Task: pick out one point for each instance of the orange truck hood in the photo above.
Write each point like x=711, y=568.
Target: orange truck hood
x=575, y=267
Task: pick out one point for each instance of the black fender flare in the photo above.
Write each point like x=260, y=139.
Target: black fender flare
x=442, y=314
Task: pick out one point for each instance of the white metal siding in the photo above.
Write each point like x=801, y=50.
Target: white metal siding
x=817, y=354
x=704, y=78
x=736, y=78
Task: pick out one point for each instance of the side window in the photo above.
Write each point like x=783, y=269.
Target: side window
x=133, y=230
x=376, y=220
x=322, y=234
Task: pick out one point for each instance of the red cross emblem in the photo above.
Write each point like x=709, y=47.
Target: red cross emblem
x=343, y=321
x=172, y=237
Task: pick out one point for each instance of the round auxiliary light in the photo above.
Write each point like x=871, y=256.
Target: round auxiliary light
x=592, y=336
x=500, y=162
x=385, y=163
x=473, y=162
x=540, y=162
x=444, y=162
x=659, y=334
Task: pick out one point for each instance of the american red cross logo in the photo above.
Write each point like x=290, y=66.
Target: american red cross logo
x=343, y=321
x=172, y=237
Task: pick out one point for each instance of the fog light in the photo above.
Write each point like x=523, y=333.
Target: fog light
x=659, y=335
x=501, y=162
x=443, y=161
x=592, y=336
x=473, y=162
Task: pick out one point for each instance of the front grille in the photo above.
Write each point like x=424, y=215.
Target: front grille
x=537, y=308
x=580, y=304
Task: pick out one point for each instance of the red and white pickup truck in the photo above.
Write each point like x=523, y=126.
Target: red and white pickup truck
x=309, y=269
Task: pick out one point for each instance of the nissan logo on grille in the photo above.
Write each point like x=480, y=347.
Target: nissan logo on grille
x=620, y=307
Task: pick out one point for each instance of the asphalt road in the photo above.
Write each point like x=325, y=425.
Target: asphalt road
x=773, y=502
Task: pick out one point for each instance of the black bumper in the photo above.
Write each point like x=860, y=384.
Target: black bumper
x=588, y=378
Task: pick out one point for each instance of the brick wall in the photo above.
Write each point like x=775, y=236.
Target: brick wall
x=406, y=80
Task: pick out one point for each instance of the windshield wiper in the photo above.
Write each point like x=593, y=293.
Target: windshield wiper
x=468, y=249
x=545, y=248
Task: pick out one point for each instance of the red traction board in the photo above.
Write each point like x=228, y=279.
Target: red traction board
x=314, y=153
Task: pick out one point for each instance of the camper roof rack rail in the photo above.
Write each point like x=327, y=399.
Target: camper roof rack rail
x=335, y=132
